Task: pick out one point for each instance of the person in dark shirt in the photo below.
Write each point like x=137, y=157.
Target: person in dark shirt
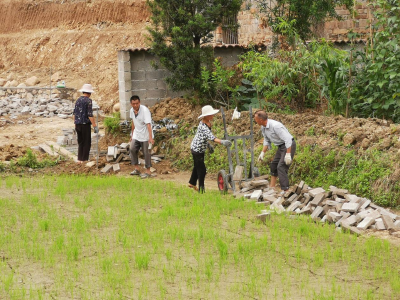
x=83, y=118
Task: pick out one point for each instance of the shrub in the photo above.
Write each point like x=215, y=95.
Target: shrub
x=30, y=160
x=112, y=124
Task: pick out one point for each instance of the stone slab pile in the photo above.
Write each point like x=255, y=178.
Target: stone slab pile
x=35, y=102
x=347, y=211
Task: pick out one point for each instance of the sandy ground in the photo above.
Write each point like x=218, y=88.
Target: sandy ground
x=31, y=131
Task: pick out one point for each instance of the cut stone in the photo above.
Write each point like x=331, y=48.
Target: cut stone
x=350, y=207
x=388, y=221
x=335, y=216
x=318, y=199
x=365, y=204
x=379, y=224
x=316, y=213
x=351, y=229
x=293, y=206
x=116, y=168
x=256, y=194
x=91, y=164
x=352, y=198
x=350, y=220
x=367, y=222
x=264, y=216
x=106, y=168
x=315, y=192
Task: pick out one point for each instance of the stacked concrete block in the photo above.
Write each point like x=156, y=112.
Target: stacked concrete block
x=69, y=137
x=118, y=153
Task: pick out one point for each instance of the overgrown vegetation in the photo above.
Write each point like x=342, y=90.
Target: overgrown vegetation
x=112, y=124
x=30, y=160
x=376, y=88
x=113, y=237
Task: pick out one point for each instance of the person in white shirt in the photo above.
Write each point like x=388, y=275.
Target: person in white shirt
x=275, y=132
x=141, y=136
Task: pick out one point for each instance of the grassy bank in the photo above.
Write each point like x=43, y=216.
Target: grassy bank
x=113, y=238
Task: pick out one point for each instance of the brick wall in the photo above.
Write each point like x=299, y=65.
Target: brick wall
x=252, y=30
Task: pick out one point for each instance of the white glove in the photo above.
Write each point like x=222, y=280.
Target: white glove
x=261, y=157
x=288, y=159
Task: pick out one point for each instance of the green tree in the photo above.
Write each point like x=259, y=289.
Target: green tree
x=308, y=14
x=376, y=91
x=178, y=30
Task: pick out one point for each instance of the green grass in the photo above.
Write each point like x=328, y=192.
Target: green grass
x=126, y=238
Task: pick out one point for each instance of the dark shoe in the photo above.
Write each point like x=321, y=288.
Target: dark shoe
x=193, y=187
x=135, y=172
x=145, y=175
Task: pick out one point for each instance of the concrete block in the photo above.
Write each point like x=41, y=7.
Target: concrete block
x=374, y=206
x=317, y=212
x=306, y=197
x=353, y=219
x=293, y=206
x=124, y=55
x=256, y=195
x=318, y=199
x=107, y=168
x=350, y=207
x=374, y=214
x=379, y=224
x=351, y=229
x=387, y=213
x=388, y=221
x=116, y=168
x=367, y=222
x=263, y=217
x=352, y=198
x=340, y=192
x=316, y=191
x=91, y=164
x=292, y=198
x=269, y=198
x=365, y=204
x=335, y=216
x=331, y=203
x=397, y=224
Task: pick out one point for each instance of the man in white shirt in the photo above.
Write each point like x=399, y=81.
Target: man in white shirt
x=141, y=136
x=275, y=132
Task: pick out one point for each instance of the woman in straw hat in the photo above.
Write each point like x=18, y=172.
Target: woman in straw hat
x=199, y=146
x=83, y=118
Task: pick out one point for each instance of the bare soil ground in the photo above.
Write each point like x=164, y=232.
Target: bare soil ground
x=79, y=39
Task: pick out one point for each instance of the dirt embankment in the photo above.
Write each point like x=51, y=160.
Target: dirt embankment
x=77, y=38
x=309, y=128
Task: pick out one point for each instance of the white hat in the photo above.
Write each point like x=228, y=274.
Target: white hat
x=208, y=111
x=87, y=88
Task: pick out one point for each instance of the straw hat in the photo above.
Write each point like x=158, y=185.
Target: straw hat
x=87, y=88
x=208, y=111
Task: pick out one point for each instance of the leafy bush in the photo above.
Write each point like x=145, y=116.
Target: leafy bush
x=376, y=91
x=30, y=160
x=112, y=123
x=2, y=167
x=301, y=76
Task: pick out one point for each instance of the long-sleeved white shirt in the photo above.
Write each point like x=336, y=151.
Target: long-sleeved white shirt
x=275, y=132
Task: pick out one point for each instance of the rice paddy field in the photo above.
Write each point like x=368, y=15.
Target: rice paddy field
x=88, y=237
